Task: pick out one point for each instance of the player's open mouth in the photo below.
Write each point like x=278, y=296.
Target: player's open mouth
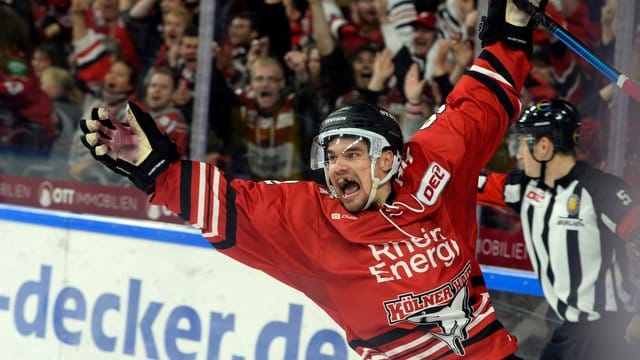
x=348, y=187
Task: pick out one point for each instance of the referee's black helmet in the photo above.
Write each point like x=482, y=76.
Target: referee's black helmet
x=557, y=119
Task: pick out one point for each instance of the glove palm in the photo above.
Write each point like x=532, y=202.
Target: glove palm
x=134, y=148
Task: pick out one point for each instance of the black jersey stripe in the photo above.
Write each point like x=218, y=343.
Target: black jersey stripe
x=574, y=260
x=535, y=256
x=545, y=240
x=387, y=337
x=185, y=190
x=575, y=267
x=497, y=66
x=232, y=219
x=492, y=85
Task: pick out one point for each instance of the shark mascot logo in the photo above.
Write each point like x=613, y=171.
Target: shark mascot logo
x=445, y=308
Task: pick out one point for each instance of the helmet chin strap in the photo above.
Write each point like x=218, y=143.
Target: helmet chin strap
x=543, y=163
x=376, y=182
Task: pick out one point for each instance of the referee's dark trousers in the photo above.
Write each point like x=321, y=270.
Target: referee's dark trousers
x=601, y=339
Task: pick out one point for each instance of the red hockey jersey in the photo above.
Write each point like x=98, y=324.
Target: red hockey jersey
x=401, y=279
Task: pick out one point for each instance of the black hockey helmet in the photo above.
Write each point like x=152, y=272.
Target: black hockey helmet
x=557, y=119
x=373, y=123
x=361, y=120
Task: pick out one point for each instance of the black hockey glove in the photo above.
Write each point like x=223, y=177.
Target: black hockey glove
x=134, y=148
x=505, y=22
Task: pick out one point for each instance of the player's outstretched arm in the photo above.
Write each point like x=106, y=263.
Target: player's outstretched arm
x=133, y=147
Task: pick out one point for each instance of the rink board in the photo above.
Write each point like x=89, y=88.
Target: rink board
x=94, y=287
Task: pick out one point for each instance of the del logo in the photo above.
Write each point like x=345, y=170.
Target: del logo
x=432, y=184
x=445, y=308
x=535, y=196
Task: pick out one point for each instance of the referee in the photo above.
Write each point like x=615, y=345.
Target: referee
x=580, y=225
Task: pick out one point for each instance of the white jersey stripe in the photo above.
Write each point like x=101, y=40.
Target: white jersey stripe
x=491, y=74
x=200, y=204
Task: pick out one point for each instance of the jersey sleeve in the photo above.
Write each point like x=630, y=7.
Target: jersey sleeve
x=466, y=131
x=252, y=222
x=501, y=189
x=617, y=206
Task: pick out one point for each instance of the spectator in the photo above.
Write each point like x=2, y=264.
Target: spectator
x=299, y=23
x=174, y=24
x=26, y=112
x=373, y=69
x=361, y=28
x=452, y=59
x=412, y=50
x=46, y=54
x=456, y=19
x=337, y=77
x=185, y=72
x=576, y=223
x=159, y=98
x=266, y=126
x=103, y=17
x=268, y=33
x=53, y=23
x=118, y=88
x=59, y=85
x=144, y=22
x=369, y=73
x=93, y=52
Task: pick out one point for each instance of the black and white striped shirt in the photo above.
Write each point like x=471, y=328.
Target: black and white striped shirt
x=574, y=233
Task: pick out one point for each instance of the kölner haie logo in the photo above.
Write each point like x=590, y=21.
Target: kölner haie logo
x=44, y=194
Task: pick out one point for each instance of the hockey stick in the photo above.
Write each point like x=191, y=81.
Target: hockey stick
x=621, y=80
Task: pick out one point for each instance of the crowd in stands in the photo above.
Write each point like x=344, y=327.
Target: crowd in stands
x=278, y=67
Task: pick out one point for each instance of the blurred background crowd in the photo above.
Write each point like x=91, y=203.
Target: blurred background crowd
x=276, y=68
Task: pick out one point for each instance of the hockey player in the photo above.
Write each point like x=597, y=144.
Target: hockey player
x=387, y=248
x=576, y=222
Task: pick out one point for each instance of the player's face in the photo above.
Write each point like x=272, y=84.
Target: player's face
x=349, y=171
